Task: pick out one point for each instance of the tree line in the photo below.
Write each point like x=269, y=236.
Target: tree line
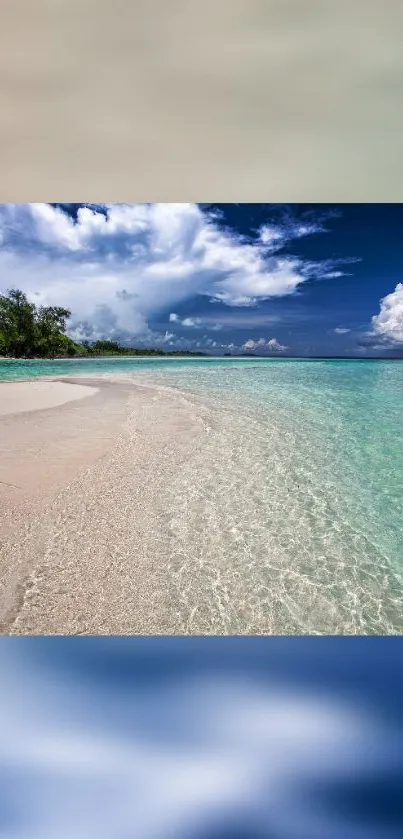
x=30, y=331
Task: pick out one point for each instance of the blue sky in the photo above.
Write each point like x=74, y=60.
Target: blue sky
x=192, y=738
x=266, y=278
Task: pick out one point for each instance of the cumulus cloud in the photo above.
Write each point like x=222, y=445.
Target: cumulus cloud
x=271, y=345
x=387, y=325
x=118, y=265
x=193, y=322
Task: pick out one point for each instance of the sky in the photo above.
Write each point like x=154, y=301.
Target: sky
x=192, y=738
x=271, y=279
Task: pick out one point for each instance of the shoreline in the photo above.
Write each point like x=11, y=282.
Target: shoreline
x=82, y=483
x=148, y=509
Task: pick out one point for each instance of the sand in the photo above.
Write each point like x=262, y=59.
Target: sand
x=20, y=397
x=82, y=499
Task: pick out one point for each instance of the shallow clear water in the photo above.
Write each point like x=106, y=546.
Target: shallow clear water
x=287, y=516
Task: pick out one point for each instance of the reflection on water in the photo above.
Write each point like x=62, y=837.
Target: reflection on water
x=286, y=516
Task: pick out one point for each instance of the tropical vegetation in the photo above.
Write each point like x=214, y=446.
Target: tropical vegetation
x=30, y=331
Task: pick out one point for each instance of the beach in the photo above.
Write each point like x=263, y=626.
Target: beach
x=24, y=397
x=78, y=488
x=201, y=497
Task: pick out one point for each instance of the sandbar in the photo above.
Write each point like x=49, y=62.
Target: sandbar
x=18, y=397
x=82, y=507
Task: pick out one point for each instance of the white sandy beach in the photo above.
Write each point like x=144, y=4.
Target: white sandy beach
x=81, y=482
x=142, y=509
x=20, y=397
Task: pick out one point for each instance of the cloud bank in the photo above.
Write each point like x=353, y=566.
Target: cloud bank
x=271, y=345
x=117, y=266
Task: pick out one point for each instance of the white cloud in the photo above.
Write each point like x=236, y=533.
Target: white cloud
x=271, y=345
x=195, y=322
x=274, y=237
x=388, y=323
x=192, y=322
x=270, y=236
x=341, y=330
x=168, y=336
x=118, y=268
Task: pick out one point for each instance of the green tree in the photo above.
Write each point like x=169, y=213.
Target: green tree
x=50, y=322
x=3, y=344
x=106, y=347
x=66, y=346
x=26, y=330
x=17, y=323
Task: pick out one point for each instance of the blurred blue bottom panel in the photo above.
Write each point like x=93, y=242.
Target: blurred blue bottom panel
x=216, y=738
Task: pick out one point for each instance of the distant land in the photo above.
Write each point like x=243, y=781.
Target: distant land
x=28, y=331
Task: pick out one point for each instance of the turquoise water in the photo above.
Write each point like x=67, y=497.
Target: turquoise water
x=25, y=369
x=287, y=516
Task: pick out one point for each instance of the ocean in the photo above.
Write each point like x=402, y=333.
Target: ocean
x=287, y=516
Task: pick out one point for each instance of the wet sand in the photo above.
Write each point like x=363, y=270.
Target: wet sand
x=81, y=494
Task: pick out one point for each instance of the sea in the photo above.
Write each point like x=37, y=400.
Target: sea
x=288, y=517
